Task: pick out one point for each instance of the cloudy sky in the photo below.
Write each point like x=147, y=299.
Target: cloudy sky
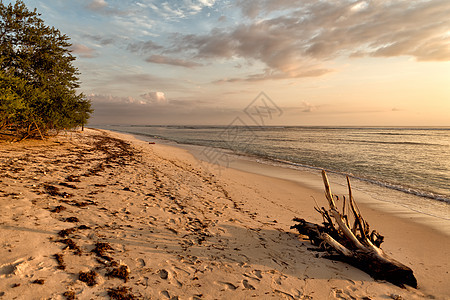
x=331, y=62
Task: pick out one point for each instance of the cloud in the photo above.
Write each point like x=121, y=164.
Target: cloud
x=253, y=8
x=148, y=99
x=82, y=51
x=173, y=11
x=278, y=50
x=111, y=100
x=130, y=82
x=101, y=6
x=276, y=75
x=154, y=97
x=136, y=79
x=160, y=59
x=144, y=47
x=208, y=3
x=181, y=9
x=127, y=110
x=104, y=41
x=298, y=42
x=97, y=4
x=308, y=107
x=196, y=6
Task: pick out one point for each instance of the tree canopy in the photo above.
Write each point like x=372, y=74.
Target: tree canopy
x=38, y=81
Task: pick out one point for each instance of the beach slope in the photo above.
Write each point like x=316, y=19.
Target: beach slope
x=96, y=214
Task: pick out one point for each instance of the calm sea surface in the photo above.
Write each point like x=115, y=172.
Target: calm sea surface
x=412, y=160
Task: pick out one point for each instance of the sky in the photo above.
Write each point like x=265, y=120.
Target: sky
x=302, y=62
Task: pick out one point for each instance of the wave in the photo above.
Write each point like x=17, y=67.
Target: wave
x=280, y=154
x=392, y=186
x=399, y=134
x=394, y=143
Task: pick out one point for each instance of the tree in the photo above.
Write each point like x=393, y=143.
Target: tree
x=38, y=81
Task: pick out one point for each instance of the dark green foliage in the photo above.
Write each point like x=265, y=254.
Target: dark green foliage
x=37, y=79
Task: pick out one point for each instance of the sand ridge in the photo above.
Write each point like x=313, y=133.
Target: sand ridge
x=95, y=214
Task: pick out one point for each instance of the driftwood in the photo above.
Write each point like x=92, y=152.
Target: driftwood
x=354, y=244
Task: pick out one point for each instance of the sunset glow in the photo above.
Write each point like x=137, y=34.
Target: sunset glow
x=202, y=61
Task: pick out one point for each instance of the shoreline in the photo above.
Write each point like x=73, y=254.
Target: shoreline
x=383, y=216
x=366, y=193
x=181, y=228
x=430, y=192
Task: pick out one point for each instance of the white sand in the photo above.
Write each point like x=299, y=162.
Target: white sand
x=182, y=228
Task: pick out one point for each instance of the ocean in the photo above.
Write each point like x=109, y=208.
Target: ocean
x=412, y=161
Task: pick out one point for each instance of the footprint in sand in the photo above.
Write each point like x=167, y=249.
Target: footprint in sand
x=140, y=262
x=277, y=280
x=163, y=274
x=20, y=267
x=177, y=283
x=255, y=275
x=286, y=295
x=165, y=294
x=228, y=285
x=341, y=294
x=15, y=268
x=247, y=285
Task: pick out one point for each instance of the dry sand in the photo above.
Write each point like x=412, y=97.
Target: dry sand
x=118, y=212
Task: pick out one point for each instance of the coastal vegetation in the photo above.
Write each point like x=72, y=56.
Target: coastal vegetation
x=38, y=81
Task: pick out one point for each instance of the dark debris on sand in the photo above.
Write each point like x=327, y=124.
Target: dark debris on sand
x=58, y=209
x=88, y=277
x=121, y=293
x=71, y=245
x=72, y=219
x=73, y=178
x=70, y=295
x=101, y=249
x=54, y=191
x=117, y=152
x=121, y=272
x=38, y=281
x=66, y=232
x=60, y=260
x=68, y=185
x=81, y=204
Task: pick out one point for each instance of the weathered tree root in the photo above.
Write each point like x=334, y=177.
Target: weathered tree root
x=355, y=245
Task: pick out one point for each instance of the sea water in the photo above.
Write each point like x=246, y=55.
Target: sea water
x=412, y=161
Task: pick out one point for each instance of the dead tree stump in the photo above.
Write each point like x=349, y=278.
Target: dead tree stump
x=354, y=244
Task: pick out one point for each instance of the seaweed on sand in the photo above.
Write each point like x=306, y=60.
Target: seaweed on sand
x=121, y=272
x=101, y=249
x=58, y=209
x=60, y=260
x=88, y=277
x=71, y=245
x=70, y=295
x=121, y=293
x=66, y=232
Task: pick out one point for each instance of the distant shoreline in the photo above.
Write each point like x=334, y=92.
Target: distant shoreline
x=278, y=126
x=398, y=193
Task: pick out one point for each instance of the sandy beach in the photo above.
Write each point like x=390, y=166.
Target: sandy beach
x=98, y=214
